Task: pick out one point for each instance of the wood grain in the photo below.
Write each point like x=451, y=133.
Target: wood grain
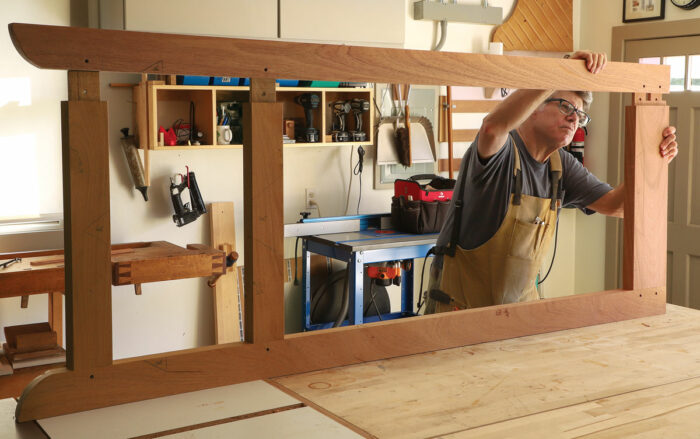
x=636, y=378
x=444, y=165
x=537, y=25
x=461, y=106
x=161, y=260
x=227, y=314
x=469, y=105
x=212, y=366
x=461, y=135
x=646, y=190
x=263, y=222
x=84, y=48
x=56, y=314
x=87, y=228
x=36, y=341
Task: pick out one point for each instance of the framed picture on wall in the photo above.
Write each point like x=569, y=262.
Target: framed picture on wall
x=642, y=10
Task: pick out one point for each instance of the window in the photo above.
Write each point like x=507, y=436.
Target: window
x=694, y=73
x=677, y=64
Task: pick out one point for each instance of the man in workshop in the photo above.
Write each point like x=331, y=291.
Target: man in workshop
x=513, y=181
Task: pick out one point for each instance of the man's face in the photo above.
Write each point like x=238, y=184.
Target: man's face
x=555, y=125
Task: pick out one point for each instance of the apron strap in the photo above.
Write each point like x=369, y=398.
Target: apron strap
x=459, y=202
x=457, y=224
x=555, y=169
x=518, y=174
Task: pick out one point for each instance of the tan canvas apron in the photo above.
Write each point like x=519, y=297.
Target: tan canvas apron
x=504, y=268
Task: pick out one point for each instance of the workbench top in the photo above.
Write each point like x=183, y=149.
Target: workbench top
x=633, y=379
x=636, y=378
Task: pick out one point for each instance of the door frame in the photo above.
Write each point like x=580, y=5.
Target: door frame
x=620, y=36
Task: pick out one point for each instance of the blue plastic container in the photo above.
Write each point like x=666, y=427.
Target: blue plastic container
x=192, y=80
x=288, y=82
x=224, y=80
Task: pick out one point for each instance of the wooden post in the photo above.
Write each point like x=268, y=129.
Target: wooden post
x=227, y=327
x=646, y=191
x=86, y=217
x=263, y=221
x=56, y=314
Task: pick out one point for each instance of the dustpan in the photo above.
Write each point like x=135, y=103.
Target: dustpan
x=422, y=141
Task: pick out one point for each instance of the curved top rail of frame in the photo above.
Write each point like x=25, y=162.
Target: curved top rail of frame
x=70, y=48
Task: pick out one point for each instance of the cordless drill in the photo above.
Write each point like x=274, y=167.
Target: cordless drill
x=310, y=102
x=358, y=107
x=185, y=214
x=340, y=109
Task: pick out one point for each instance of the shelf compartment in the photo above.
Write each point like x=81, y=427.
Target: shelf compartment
x=346, y=94
x=293, y=111
x=231, y=94
x=171, y=103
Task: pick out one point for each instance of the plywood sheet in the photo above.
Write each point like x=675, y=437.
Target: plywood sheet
x=9, y=429
x=301, y=423
x=161, y=414
x=467, y=388
x=668, y=411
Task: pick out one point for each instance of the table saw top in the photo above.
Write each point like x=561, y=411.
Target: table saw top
x=373, y=239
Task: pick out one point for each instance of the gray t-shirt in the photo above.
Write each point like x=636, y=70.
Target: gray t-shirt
x=490, y=183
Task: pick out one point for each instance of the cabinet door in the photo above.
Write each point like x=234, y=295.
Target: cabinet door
x=229, y=18
x=356, y=22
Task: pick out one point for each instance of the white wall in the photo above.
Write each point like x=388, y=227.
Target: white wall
x=30, y=126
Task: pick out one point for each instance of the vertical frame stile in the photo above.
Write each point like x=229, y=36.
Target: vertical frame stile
x=87, y=224
x=646, y=192
x=263, y=219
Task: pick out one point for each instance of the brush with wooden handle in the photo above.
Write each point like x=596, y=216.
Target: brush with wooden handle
x=403, y=147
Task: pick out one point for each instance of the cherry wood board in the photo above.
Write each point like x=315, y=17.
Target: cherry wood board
x=149, y=52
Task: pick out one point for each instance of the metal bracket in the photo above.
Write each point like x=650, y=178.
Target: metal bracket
x=429, y=10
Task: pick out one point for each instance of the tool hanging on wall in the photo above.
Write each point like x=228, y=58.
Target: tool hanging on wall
x=188, y=212
x=133, y=160
x=402, y=130
x=310, y=102
x=339, y=132
x=358, y=107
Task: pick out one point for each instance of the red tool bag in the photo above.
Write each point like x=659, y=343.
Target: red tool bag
x=421, y=208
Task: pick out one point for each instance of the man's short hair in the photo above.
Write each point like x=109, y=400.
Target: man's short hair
x=586, y=97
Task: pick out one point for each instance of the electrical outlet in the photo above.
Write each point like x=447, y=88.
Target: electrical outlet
x=310, y=198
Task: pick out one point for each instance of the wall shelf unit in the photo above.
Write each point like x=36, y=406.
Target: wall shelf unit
x=158, y=104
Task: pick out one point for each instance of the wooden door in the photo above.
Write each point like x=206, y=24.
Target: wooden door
x=683, y=258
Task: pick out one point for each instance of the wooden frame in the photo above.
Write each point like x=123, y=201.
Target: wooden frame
x=630, y=15
x=93, y=380
x=620, y=36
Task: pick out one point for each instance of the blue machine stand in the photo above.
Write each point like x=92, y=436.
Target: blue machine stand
x=358, y=248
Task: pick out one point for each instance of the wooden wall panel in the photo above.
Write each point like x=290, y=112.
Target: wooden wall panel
x=537, y=25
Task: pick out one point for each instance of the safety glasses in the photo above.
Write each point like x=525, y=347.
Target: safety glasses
x=567, y=108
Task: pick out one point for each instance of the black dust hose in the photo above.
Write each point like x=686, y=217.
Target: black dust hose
x=346, y=299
